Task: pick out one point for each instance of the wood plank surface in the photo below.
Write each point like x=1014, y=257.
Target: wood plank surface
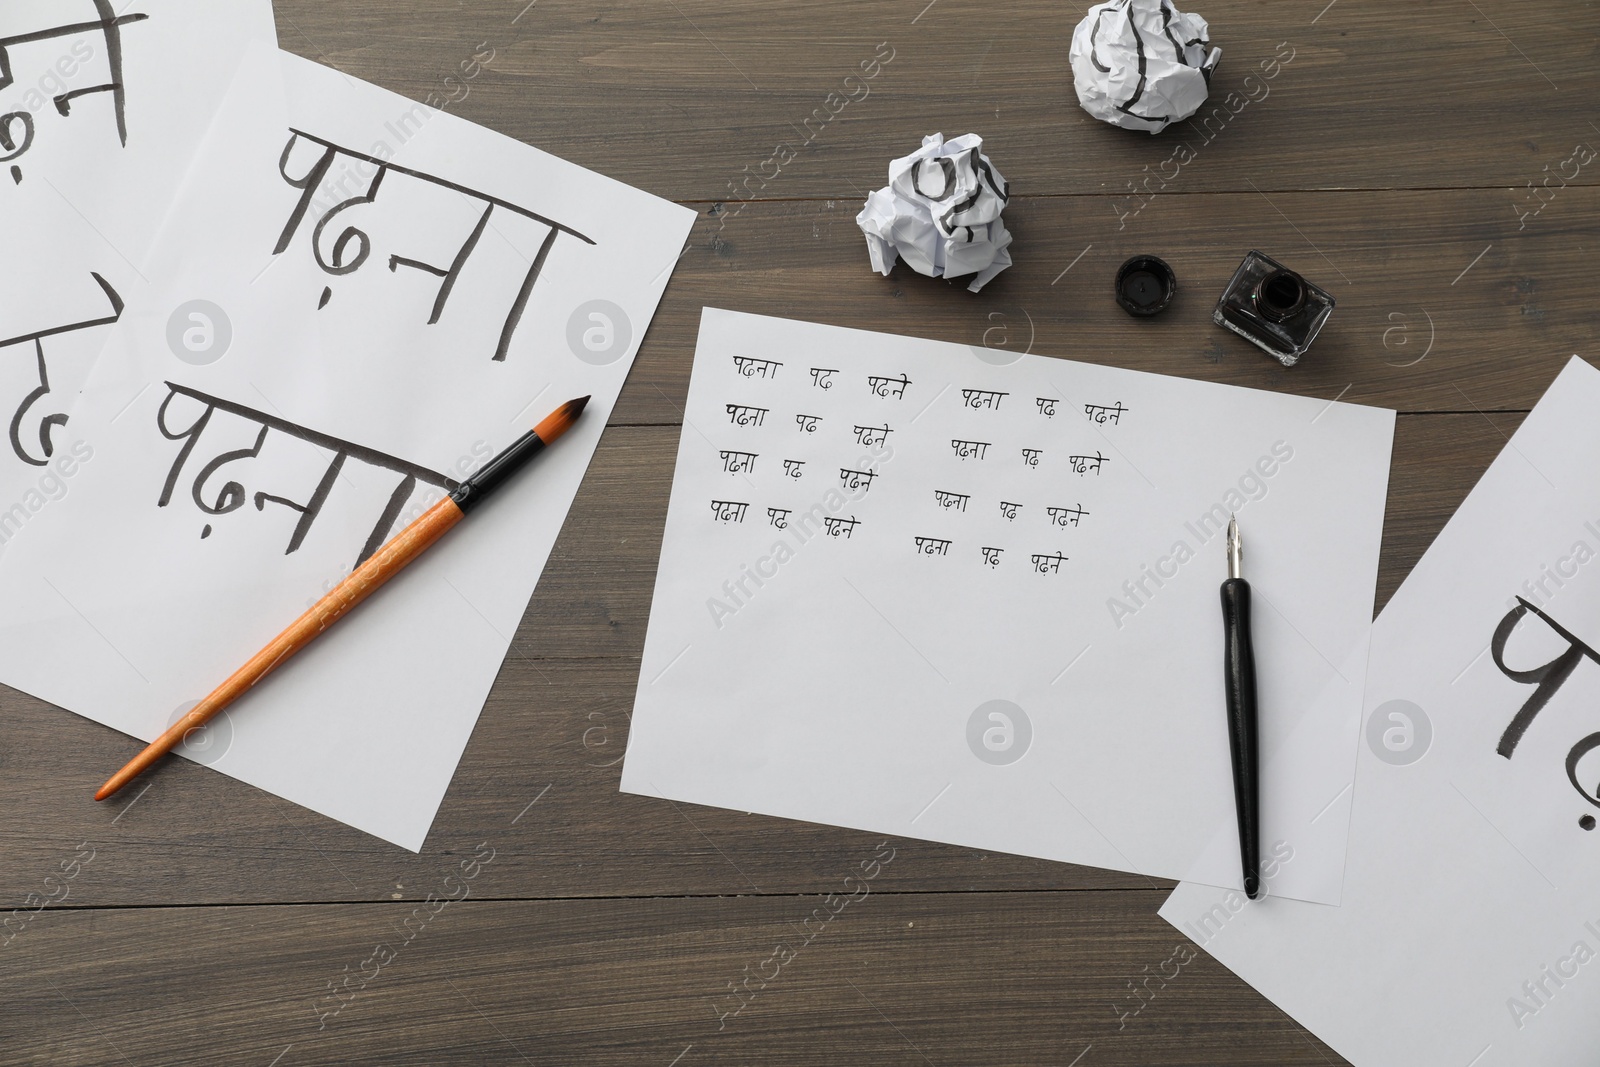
x=1387, y=158
x=887, y=978
x=679, y=98
x=1414, y=328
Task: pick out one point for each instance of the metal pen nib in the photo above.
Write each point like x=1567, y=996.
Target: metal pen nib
x=1235, y=549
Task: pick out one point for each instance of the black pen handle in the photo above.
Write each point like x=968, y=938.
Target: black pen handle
x=1239, y=666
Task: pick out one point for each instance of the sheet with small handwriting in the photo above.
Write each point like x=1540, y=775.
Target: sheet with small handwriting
x=1469, y=931
x=906, y=589
x=102, y=108
x=356, y=301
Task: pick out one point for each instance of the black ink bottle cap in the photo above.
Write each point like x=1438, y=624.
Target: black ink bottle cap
x=1145, y=286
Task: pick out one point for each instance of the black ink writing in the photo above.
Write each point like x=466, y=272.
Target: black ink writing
x=352, y=246
x=232, y=494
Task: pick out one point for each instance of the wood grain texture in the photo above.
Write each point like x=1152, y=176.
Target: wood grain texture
x=1387, y=161
x=1411, y=330
x=888, y=978
x=678, y=98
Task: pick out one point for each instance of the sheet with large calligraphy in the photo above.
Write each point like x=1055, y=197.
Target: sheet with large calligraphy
x=1468, y=932
x=103, y=105
x=908, y=590
x=356, y=301
x=102, y=108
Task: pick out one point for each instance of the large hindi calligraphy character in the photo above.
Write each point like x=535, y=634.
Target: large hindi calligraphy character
x=338, y=261
x=341, y=261
x=447, y=275
x=189, y=436
x=16, y=137
x=232, y=494
x=312, y=507
x=17, y=127
x=391, y=512
x=308, y=184
x=46, y=424
x=56, y=418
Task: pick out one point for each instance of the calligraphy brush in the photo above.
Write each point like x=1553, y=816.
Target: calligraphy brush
x=384, y=564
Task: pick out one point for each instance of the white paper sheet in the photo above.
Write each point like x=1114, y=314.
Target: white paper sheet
x=107, y=102
x=210, y=506
x=1469, y=931
x=830, y=627
x=102, y=109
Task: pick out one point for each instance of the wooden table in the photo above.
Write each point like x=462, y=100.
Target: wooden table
x=1388, y=158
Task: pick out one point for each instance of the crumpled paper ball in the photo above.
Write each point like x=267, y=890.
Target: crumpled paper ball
x=940, y=213
x=1141, y=64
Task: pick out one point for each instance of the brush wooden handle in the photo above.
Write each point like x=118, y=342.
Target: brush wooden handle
x=388, y=561
x=361, y=583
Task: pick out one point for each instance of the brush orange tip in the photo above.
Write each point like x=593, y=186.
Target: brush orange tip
x=560, y=420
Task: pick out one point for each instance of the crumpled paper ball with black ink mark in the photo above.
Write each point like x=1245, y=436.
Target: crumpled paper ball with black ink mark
x=1141, y=64
x=940, y=213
